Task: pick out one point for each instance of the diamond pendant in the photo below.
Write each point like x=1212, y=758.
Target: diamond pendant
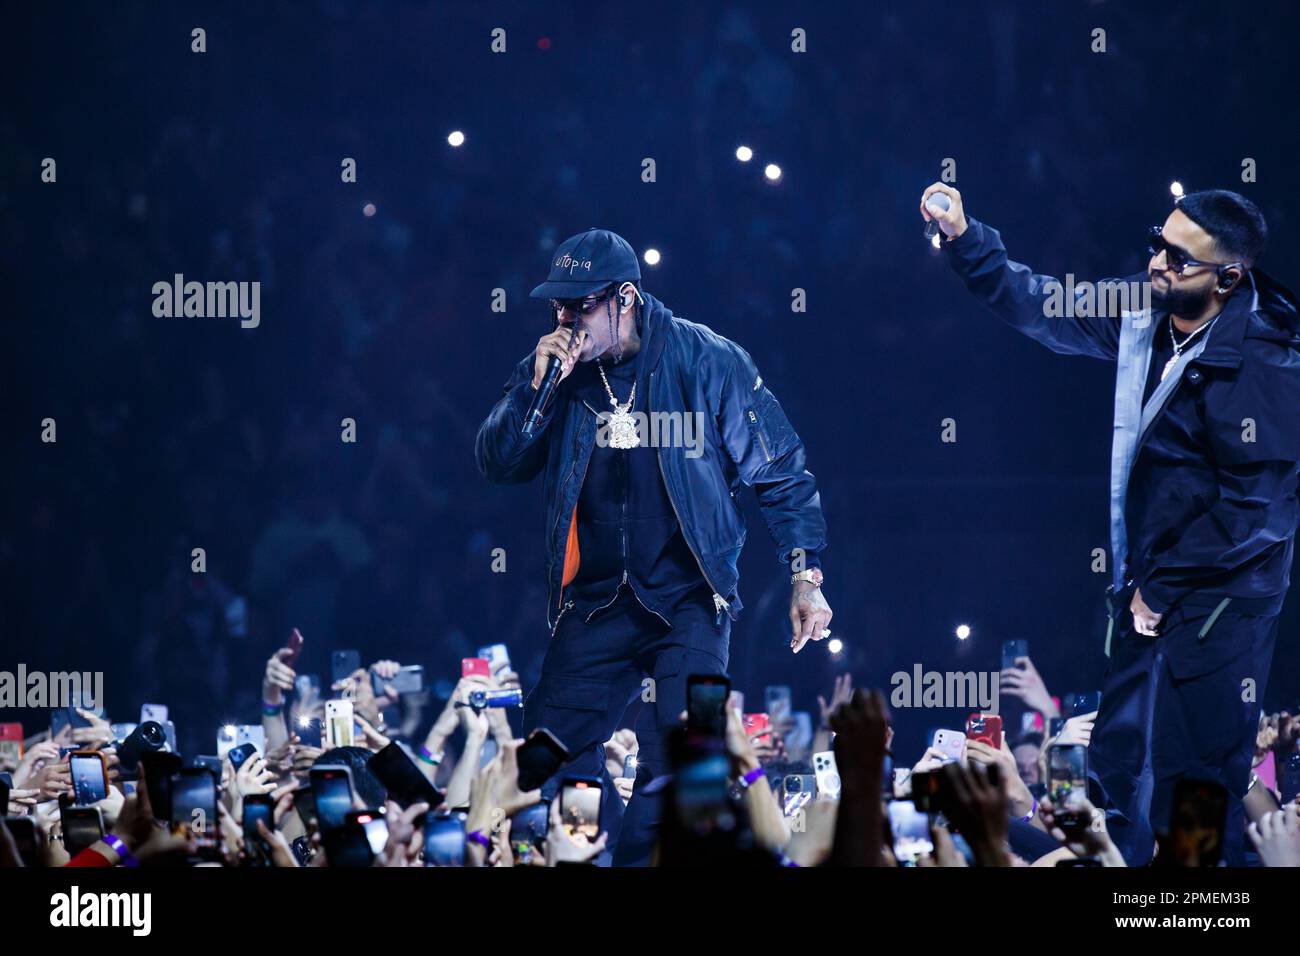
x=1169, y=367
x=622, y=429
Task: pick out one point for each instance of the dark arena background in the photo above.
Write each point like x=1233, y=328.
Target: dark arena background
x=377, y=305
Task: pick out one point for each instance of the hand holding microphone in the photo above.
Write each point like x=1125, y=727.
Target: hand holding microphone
x=556, y=345
x=941, y=207
x=556, y=354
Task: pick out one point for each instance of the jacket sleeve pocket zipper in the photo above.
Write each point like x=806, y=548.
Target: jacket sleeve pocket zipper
x=758, y=430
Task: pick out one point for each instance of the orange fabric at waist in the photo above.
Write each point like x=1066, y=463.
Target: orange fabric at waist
x=572, y=554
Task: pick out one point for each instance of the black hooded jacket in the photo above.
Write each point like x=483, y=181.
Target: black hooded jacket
x=1210, y=502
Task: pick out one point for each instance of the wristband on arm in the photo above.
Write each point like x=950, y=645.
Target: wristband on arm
x=115, y=844
x=1032, y=810
x=749, y=779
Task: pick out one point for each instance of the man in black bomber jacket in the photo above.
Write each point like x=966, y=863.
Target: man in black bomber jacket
x=656, y=423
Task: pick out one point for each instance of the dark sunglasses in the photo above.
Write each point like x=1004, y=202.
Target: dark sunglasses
x=584, y=305
x=1177, y=259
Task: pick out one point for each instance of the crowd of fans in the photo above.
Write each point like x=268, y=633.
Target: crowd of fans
x=416, y=780
x=175, y=435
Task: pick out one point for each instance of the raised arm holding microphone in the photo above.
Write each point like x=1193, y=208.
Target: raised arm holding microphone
x=655, y=424
x=1203, y=501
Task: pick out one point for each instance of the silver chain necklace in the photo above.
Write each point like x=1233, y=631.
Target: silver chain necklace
x=1179, y=346
x=622, y=426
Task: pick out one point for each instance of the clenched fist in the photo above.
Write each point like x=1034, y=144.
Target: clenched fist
x=557, y=344
x=952, y=221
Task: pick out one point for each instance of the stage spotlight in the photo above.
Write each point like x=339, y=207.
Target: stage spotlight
x=963, y=631
x=651, y=257
x=1177, y=189
x=368, y=210
x=835, y=646
x=744, y=153
x=456, y=138
x=773, y=172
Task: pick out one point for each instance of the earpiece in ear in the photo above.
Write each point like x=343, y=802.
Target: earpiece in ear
x=625, y=299
x=1226, y=282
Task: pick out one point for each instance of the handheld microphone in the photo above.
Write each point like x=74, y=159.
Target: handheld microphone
x=550, y=382
x=937, y=202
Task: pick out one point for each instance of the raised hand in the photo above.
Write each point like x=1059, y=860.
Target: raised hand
x=563, y=848
x=279, y=676
x=1019, y=799
x=22, y=801
x=509, y=797
x=1091, y=840
x=861, y=726
x=1077, y=730
x=979, y=811
x=41, y=754
x=952, y=221
x=1024, y=681
x=840, y=694
x=405, y=839
x=98, y=734
x=53, y=779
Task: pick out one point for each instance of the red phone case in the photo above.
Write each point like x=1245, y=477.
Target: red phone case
x=295, y=646
x=475, y=666
x=12, y=733
x=992, y=734
x=756, y=722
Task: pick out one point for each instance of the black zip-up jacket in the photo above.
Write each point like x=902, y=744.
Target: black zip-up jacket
x=747, y=438
x=1209, y=506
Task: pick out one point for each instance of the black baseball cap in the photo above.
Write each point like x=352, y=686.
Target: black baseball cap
x=587, y=263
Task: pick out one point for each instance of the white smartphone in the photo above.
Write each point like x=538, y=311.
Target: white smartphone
x=828, y=775
x=253, y=734
x=951, y=743
x=338, y=724
x=496, y=655
x=225, y=739
x=156, y=712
